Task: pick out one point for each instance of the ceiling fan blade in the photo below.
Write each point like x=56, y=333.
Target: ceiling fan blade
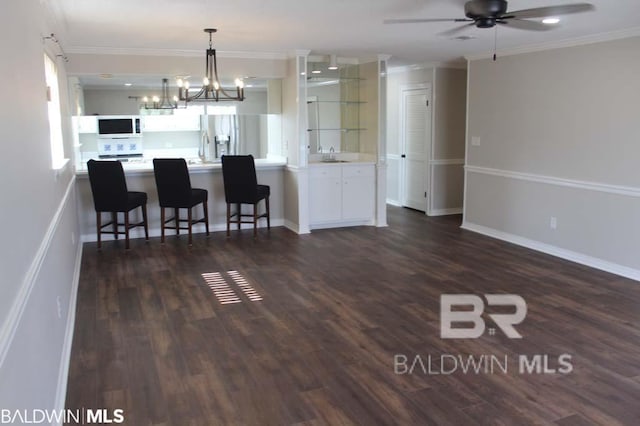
x=522, y=24
x=456, y=30
x=543, y=12
x=420, y=21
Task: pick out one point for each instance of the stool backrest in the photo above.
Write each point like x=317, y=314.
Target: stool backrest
x=172, y=181
x=240, y=181
x=108, y=185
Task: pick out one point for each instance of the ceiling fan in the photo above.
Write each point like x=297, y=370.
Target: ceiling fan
x=489, y=13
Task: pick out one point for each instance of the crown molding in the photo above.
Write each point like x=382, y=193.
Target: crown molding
x=427, y=65
x=86, y=50
x=560, y=44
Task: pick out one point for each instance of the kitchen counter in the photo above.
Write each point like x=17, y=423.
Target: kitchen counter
x=208, y=176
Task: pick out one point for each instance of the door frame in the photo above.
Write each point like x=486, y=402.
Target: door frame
x=427, y=160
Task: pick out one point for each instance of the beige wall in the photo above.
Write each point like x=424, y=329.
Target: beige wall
x=445, y=167
x=559, y=137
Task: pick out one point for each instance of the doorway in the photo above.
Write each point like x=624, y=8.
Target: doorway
x=415, y=130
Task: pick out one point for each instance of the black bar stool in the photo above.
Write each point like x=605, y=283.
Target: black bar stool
x=241, y=187
x=175, y=191
x=110, y=194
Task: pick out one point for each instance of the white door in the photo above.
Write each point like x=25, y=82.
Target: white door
x=416, y=143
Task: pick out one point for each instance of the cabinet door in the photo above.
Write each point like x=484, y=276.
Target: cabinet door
x=325, y=194
x=87, y=124
x=358, y=192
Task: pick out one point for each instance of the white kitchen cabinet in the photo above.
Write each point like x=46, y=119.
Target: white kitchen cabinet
x=341, y=195
x=358, y=192
x=87, y=124
x=325, y=189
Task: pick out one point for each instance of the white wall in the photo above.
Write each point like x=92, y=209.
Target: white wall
x=559, y=133
x=39, y=249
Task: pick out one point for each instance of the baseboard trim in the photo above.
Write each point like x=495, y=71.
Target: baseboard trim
x=570, y=255
x=445, y=212
x=65, y=358
x=10, y=326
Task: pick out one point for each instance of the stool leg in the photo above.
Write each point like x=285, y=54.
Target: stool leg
x=255, y=220
x=114, y=219
x=228, y=220
x=146, y=224
x=190, y=222
x=177, y=216
x=266, y=200
x=206, y=216
x=162, y=225
x=126, y=230
x=99, y=226
x=239, y=208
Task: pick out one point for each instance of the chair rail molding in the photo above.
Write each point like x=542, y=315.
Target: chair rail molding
x=628, y=191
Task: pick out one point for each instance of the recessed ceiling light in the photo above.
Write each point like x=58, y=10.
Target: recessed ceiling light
x=550, y=21
x=127, y=84
x=106, y=76
x=316, y=72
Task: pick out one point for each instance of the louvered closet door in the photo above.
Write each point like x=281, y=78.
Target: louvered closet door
x=416, y=138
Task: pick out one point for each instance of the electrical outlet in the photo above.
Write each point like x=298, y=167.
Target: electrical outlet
x=553, y=222
x=475, y=141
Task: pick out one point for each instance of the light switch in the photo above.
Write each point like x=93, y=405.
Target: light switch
x=475, y=140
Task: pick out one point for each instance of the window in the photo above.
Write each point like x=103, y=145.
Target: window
x=55, y=117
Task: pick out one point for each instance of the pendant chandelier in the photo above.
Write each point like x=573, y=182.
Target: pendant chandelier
x=212, y=90
x=164, y=102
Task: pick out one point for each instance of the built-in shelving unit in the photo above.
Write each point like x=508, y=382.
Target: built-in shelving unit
x=334, y=110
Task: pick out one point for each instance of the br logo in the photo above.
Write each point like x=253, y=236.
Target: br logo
x=505, y=322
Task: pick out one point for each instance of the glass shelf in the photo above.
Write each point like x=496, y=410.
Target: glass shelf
x=343, y=129
x=337, y=102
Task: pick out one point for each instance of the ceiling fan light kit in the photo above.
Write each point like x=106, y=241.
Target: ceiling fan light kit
x=489, y=13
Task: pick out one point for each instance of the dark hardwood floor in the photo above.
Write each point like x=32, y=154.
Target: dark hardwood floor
x=306, y=329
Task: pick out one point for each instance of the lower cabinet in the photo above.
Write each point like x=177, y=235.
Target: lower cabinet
x=341, y=195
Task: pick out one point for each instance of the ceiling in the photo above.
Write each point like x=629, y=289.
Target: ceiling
x=347, y=28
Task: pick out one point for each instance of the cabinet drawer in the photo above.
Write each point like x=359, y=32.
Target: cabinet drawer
x=358, y=171
x=316, y=172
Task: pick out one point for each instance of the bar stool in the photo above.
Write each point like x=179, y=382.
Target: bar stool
x=175, y=191
x=241, y=187
x=110, y=194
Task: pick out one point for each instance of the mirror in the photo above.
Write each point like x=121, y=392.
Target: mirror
x=333, y=108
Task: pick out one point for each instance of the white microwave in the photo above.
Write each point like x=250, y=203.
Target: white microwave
x=119, y=127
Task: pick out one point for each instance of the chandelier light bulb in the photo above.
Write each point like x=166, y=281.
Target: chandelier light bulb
x=216, y=85
x=156, y=99
x=239, y=83
x=186, y=85
x=180, y=82
x=145, y=99
x=205, y=81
